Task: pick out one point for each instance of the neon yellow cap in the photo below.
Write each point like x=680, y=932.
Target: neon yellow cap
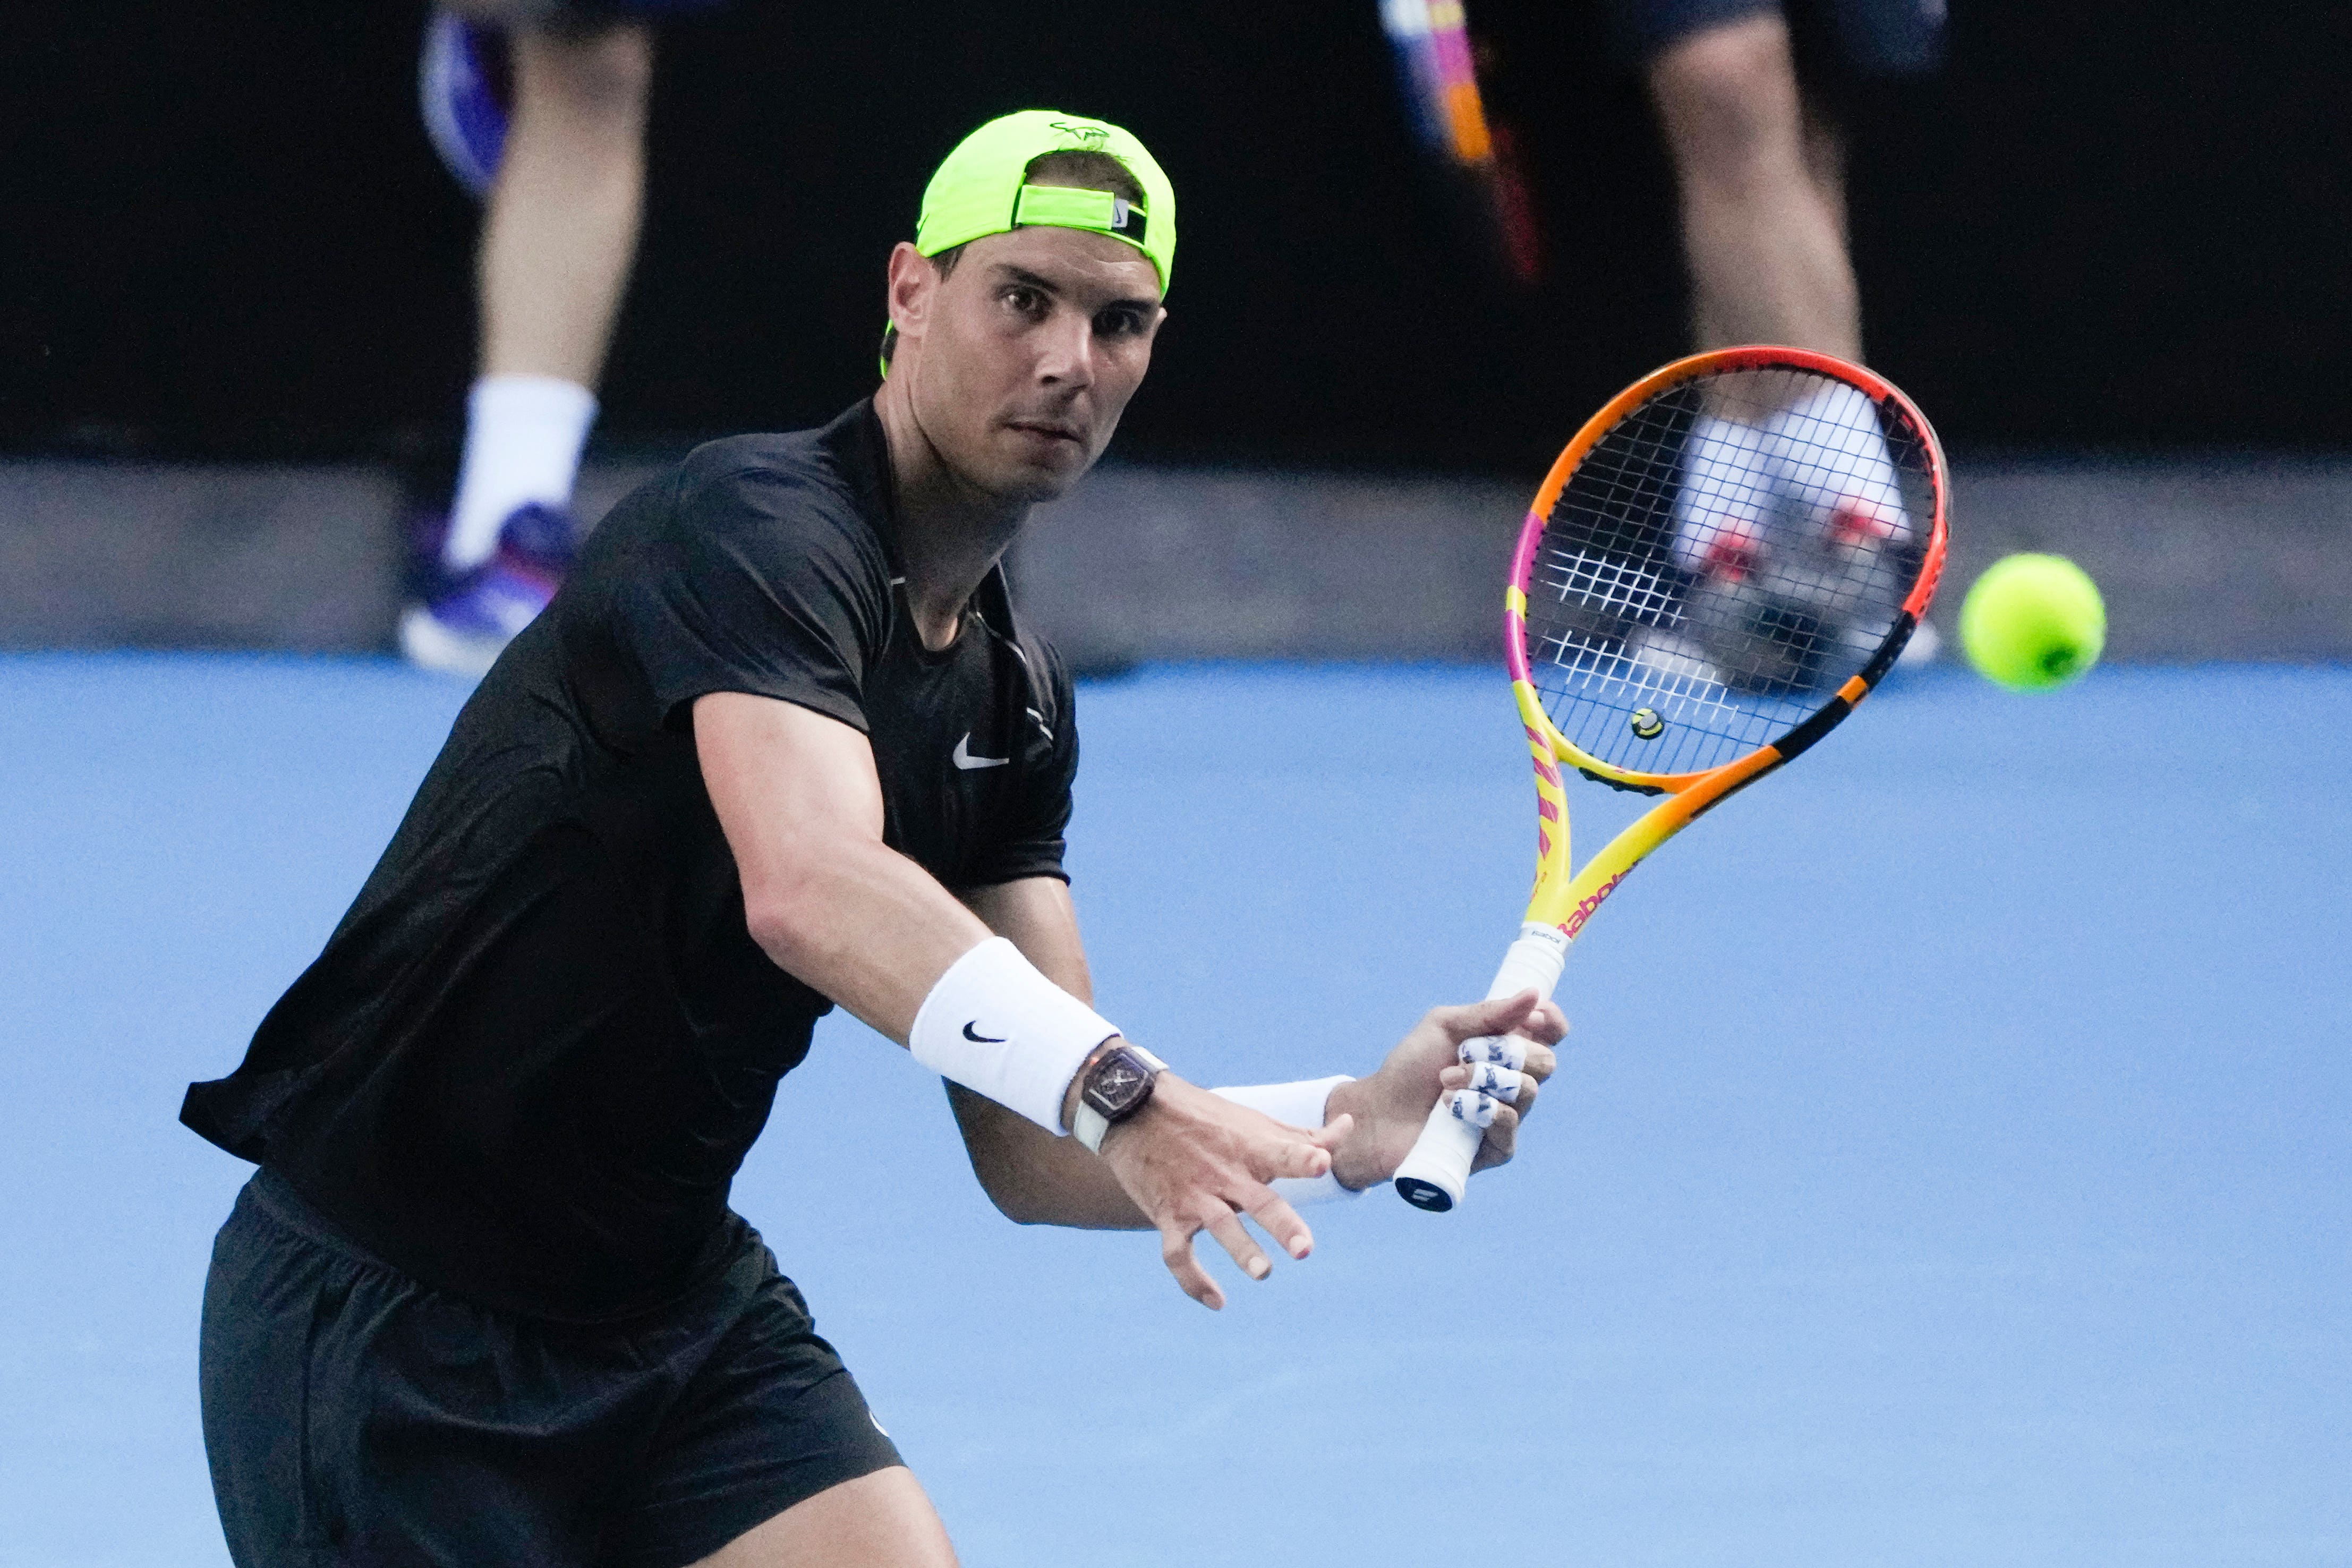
x=980, y=189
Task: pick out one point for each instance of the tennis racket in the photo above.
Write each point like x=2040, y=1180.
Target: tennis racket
x=1437, y=74
x=1721, y=564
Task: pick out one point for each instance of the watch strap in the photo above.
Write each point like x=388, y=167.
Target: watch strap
x=1089, y=1127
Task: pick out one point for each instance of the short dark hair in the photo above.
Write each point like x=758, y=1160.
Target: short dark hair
x=1076, y=169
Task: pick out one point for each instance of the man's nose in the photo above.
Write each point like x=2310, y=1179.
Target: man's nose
x=1067, y=355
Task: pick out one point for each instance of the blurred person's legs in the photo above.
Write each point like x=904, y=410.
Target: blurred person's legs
x=559, y=235
x=1762, y=180
x=1759, y=163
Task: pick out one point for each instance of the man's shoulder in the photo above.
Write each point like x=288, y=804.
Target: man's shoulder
x=795, y=494
x=834, y=468
x=788, y=454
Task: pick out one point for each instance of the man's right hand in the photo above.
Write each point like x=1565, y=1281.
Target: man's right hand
x=1193, y=1161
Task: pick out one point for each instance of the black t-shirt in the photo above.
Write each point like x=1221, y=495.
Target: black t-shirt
x=532, y=1056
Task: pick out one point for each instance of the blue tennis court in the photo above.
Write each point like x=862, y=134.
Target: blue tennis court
x=1951, y=1165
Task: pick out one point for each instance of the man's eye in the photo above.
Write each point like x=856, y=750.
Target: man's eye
x=1118, y=324
x=1028, y=301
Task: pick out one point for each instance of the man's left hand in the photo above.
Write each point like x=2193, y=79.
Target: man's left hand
x=1392, y=1105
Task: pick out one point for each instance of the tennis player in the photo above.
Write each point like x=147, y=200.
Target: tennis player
x=778, y=745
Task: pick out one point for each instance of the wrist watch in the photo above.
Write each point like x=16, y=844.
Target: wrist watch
x=1115, y=1086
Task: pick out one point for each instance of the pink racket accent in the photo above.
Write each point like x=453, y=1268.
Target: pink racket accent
x=1515, y=629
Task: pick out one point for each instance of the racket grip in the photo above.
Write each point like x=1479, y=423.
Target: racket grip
x=1434, y=1175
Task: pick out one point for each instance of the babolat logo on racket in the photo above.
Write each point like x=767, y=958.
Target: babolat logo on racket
x=1590, y=902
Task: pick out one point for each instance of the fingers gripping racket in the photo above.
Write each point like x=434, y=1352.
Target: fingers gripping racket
x=1723, y=562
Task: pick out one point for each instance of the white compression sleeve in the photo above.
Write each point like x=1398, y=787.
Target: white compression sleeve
x=998, y=1026
x=1301, y=1105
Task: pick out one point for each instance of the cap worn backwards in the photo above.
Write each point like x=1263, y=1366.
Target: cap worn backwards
x=981, y=189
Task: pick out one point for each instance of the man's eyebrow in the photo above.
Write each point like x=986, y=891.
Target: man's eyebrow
x=1010, y=273
x=1023, y=275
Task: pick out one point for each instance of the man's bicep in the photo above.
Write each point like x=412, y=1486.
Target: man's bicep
x=824, y=896
x=780, y=774
x=1039, y=918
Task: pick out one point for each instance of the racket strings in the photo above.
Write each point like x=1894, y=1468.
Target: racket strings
x=1721, y=563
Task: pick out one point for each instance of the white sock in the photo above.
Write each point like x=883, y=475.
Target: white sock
x=1726, y=499
x=1828, y=451
x=523, y=437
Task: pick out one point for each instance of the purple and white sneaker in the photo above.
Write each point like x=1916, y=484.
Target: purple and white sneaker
x=465, y=619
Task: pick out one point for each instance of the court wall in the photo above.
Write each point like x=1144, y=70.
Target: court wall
x=2214, y=558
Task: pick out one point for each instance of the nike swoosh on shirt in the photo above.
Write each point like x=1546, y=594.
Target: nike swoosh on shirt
x=964, y=759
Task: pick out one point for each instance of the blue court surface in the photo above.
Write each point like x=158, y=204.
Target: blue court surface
x=1951, y=1165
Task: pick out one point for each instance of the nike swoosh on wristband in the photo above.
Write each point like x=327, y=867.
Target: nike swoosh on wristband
x=964, y=759
x=981, y=1039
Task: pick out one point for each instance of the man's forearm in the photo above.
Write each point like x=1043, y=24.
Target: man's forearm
x=865, y=925
x=1031, y=1175
x=1035, y=1178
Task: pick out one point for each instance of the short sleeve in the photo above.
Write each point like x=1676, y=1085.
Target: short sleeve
x=762, y=581
x=1031, y=836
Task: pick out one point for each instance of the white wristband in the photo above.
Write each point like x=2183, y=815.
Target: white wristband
x=996, y=1026
x=1300, y=1105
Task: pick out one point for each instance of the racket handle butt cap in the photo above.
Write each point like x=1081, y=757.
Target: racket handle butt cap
x=1435, y=1174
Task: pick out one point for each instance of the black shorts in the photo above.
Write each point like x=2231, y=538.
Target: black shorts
x=355, y=1416
x=1863, y=38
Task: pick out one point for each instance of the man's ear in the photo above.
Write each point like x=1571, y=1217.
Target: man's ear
x=912, y=281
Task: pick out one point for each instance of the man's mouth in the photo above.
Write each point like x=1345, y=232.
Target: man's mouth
x=1049, y=430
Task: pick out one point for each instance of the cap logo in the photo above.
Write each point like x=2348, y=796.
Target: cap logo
x=1119, y=208
x=1094, y=136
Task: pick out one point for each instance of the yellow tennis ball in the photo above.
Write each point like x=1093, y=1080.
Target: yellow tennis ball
x=2032, y=622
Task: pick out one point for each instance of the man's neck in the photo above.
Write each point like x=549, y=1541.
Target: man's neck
x=950, y=533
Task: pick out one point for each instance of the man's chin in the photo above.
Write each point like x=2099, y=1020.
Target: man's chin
x=1040, y=478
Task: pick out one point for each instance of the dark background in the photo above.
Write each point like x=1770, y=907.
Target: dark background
x=2105, y=225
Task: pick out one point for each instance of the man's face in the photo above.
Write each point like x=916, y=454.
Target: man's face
x=1019, y=363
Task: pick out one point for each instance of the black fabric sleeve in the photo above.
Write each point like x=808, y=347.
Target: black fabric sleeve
x=1030, y=840
x=764, y=581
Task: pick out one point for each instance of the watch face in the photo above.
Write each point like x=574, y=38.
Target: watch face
x=1117, y=1084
